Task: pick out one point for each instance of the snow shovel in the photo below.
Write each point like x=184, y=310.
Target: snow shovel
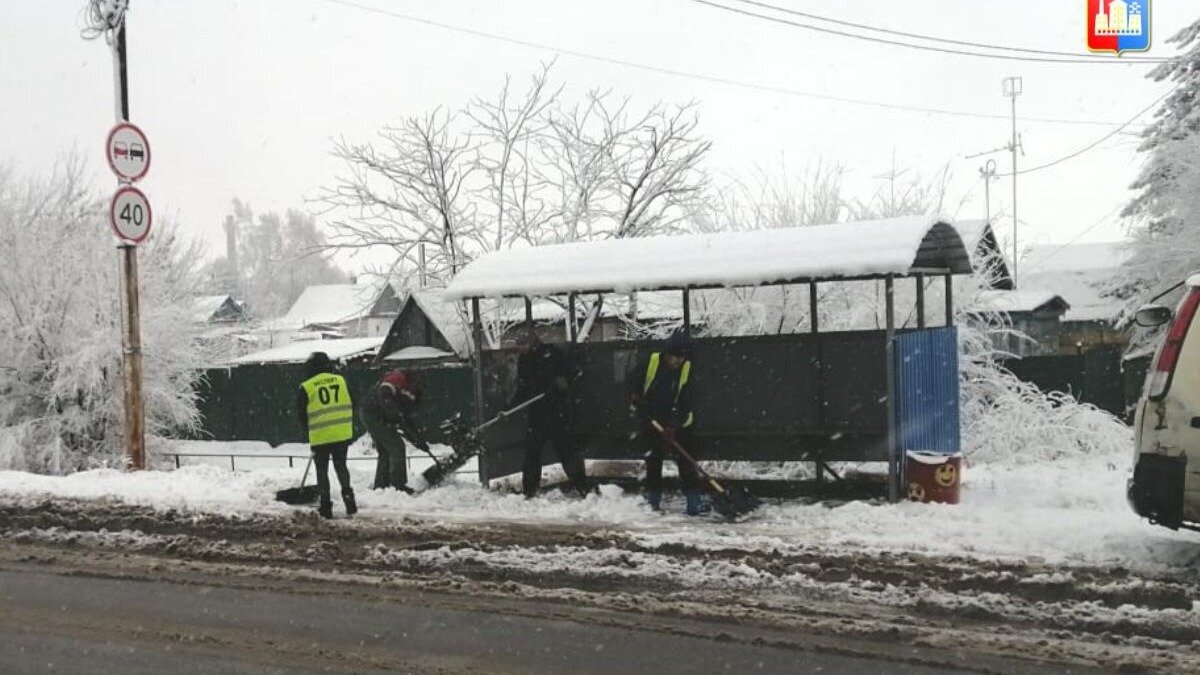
x=465, y=443
x=305, y=494
x=732, y=502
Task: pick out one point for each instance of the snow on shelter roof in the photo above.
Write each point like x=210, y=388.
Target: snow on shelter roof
x=858, y=250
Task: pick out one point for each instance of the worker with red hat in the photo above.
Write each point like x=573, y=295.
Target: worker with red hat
x=387, y=414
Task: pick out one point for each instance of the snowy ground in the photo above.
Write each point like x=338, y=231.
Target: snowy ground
x=1070, y=512
x=1039, y=562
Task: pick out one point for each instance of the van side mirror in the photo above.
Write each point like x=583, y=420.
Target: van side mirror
x=1151, y=316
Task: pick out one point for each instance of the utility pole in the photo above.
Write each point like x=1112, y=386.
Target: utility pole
x=135, y=418
x=1013, y=87
x=128, y=154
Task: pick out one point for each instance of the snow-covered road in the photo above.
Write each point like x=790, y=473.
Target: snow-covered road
x=1042, y=561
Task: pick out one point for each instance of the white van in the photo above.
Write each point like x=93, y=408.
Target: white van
x=1165, y=486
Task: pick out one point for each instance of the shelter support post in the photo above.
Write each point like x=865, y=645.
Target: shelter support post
x=813, y=323
x=687, y=311
x=920, y=279
x=477, y=343
x=528, y=313
x=571, y=318
x=949, y=300
x=894, y=464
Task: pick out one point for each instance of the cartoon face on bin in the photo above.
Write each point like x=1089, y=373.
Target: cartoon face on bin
x=946, y=475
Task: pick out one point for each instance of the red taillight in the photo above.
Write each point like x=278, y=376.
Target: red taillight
x=1172, y=346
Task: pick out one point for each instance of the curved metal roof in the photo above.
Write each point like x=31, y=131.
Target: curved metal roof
x=842, y=251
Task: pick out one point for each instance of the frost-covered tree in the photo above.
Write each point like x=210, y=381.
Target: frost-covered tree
x=779, y=197
x=1165, y=216
x=1177, y=119
x=277, y=257
x=60, y=390
x=520, y=168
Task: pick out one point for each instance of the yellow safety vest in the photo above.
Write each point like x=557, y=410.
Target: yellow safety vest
x=330, y=413
x=685, y=371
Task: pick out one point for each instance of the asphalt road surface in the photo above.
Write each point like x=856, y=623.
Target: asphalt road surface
x=80, y=624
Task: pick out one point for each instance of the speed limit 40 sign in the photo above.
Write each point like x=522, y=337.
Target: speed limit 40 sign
x=129, y=214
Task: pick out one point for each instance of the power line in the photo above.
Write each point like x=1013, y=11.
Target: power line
x=909, y=45
x=705, y=78
x=930, y=38
x=1103, y=219
x=1092, y=145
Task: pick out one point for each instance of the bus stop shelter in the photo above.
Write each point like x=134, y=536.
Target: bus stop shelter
x=810, y=396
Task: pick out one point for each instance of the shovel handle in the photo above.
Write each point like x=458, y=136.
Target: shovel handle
x=679, y=449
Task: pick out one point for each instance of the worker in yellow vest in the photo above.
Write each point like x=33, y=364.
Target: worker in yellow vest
x=327, y=413
x=660, y=390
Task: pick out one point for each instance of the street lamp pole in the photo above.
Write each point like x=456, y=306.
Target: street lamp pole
x=1013, y=87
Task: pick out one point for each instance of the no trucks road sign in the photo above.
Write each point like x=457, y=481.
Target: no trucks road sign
x=129, y=214
x=128, y=152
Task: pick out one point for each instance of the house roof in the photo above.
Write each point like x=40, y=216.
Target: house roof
x=984, y=247
x=328, y=304
x=445, y=316
x=1077, y=272
x=298, y=352
x=1028, y=300
x=205, y=306
x=840, y=251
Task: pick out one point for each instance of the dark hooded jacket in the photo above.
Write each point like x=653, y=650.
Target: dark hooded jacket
x=544, y=370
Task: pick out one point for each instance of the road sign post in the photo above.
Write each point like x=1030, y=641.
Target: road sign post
x=128, y=153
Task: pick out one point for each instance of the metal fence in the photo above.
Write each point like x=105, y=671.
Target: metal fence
x=1099, y=376
x=797, y=397
x=258, y=401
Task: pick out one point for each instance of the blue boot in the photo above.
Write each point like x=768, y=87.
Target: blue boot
x=696, y=504
x=654, y=500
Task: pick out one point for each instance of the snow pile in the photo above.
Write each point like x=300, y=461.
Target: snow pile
x=1067, y=511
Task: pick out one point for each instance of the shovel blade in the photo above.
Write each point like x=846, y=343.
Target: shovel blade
x=306, y=494
x=735, y=502
x=434, y=475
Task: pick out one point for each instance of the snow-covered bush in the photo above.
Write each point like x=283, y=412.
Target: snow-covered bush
x=60, y=345
x=1008, y=421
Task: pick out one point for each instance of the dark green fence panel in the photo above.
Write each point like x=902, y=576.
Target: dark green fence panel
x=257, y=402
x=762, y=398
x=1098, y=377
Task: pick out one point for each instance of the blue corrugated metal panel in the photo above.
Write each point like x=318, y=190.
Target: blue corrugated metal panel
x=927, y=409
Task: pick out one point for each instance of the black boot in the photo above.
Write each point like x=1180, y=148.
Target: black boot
x=325, y=509
x=351, y=505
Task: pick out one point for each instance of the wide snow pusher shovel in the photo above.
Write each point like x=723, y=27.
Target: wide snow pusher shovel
x=305, y=494
x=465, y=442
x=732, y=502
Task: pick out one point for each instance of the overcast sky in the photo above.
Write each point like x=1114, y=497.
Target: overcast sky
x=241, y=98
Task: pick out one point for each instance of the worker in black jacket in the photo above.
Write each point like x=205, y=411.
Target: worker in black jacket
x=660, y=390
x=543, y=369
x=326, y=413
x=387, y=414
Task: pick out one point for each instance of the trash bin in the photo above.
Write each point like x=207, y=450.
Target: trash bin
x=933, y=476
